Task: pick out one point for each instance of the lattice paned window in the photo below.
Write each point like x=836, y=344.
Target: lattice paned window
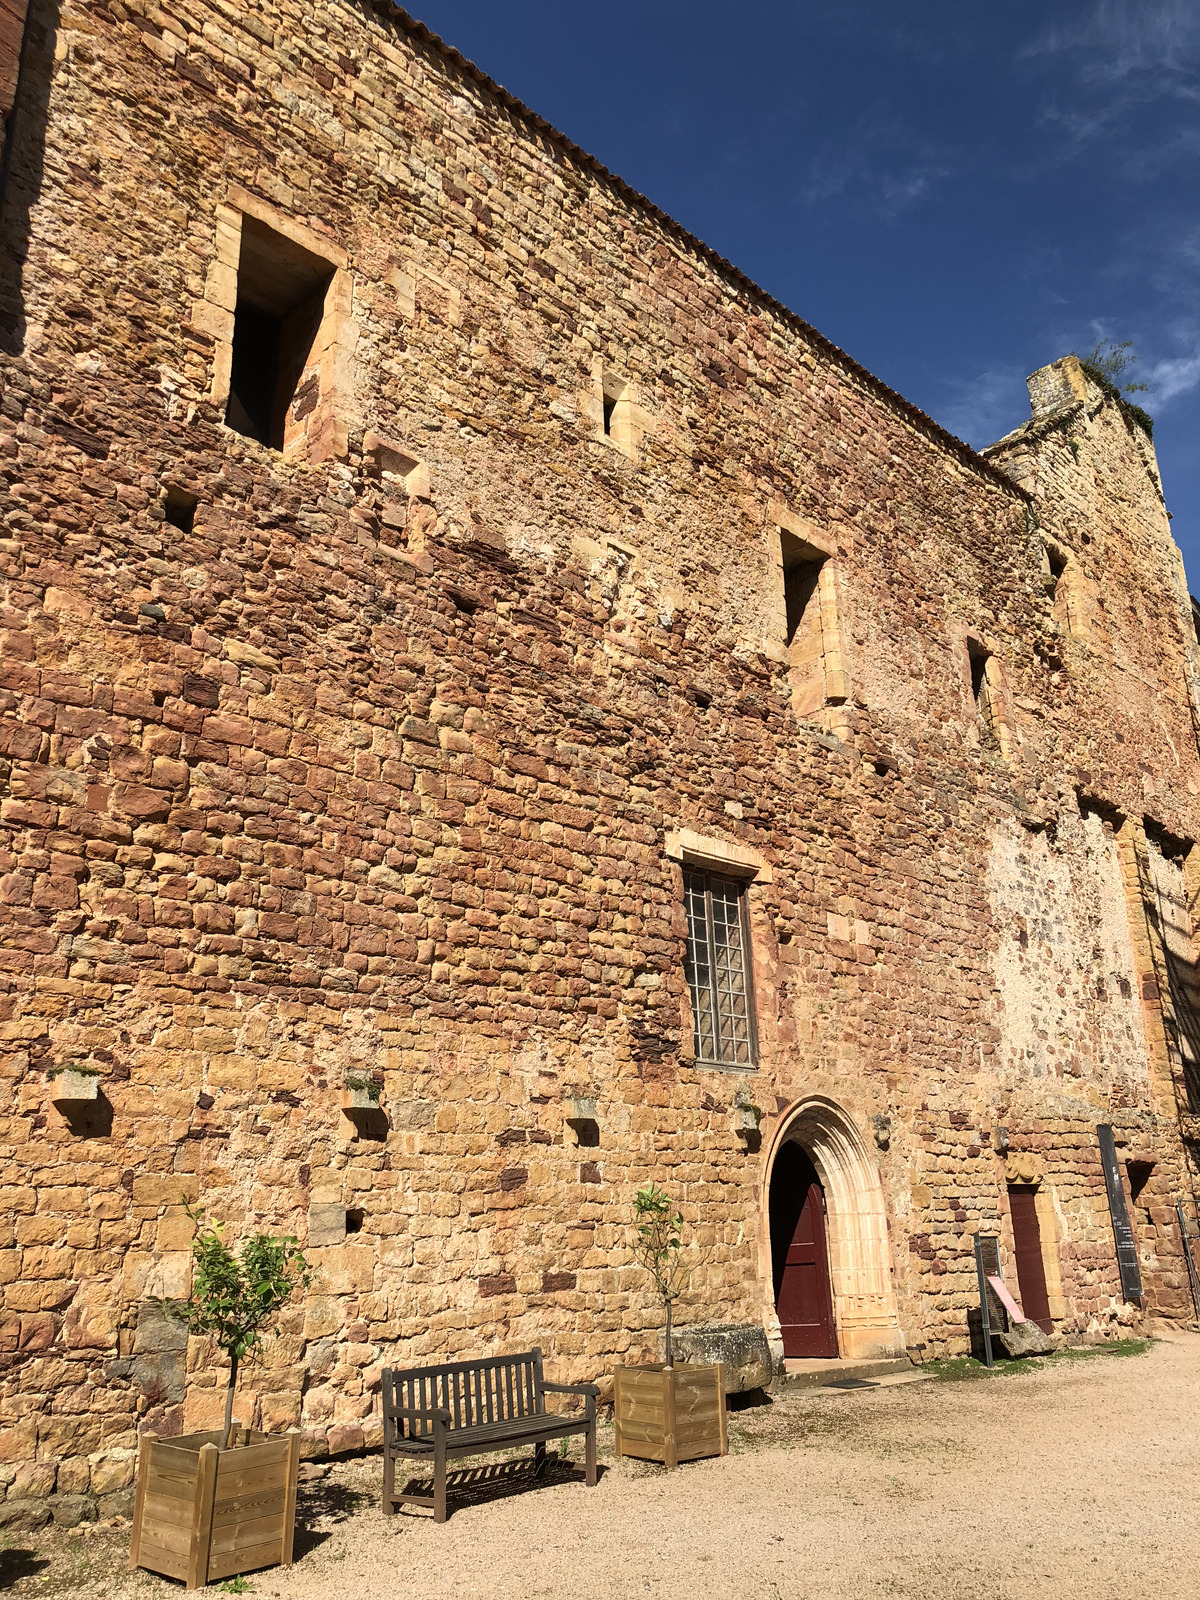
x=718, y=970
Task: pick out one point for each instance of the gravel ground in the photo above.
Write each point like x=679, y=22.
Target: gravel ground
x=1077, y=1478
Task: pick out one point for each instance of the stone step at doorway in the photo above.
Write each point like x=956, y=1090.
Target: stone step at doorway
x=824, y=1373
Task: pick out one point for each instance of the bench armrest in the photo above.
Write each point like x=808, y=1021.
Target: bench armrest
x=589, y=1391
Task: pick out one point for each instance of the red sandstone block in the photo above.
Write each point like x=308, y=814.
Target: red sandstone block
x=19, y=741
x=222, y=730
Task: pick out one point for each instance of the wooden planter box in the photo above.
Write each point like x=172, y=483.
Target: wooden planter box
x=670, y=1414
x=201, y=1514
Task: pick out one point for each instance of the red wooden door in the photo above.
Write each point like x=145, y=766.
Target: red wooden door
x=800, y=1258
x=1031, y=1268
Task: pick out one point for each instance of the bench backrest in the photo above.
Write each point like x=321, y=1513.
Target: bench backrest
x=499, y=1389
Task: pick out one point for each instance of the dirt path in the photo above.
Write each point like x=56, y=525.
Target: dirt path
x=1081, y=1479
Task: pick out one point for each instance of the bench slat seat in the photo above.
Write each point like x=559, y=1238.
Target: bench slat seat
x=465, y=1408
x=486, y=1436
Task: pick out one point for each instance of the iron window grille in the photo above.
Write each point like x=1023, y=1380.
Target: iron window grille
x=717, y=963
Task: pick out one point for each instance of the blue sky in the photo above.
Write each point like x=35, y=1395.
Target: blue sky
x=954, y=193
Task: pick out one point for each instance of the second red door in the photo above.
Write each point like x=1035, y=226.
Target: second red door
x=800, y=1258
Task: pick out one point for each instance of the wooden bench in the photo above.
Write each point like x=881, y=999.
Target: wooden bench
x=470, y=1408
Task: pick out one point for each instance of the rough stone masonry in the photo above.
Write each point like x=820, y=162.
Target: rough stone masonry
x=424, y=563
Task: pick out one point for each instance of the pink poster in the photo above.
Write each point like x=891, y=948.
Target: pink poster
x=1006, y=1300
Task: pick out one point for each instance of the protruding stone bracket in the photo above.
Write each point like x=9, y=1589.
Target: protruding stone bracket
x=72, y=1087
x=581, y=1115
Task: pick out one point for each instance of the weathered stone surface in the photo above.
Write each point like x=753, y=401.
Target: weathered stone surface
x=742, y=1347
x=375, y=760
x=1025, y=1339
x=69, y=1510
x=24, y=1516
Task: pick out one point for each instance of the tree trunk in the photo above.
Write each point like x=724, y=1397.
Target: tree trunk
x=233, y=1369
x=669, y=1361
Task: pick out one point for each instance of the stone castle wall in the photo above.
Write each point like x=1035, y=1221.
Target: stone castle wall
x=377, y=766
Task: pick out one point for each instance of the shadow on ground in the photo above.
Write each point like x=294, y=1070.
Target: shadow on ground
x=18, y=1564
x=321, y=1504
x=475, y=1486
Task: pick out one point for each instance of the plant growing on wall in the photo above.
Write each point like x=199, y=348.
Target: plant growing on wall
x=234, y=1296
x=362, y=1082
x=1106, y=366
x=659, y=1226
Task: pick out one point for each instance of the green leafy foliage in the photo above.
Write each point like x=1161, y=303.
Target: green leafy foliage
x=1106, y=366
x=659, y=1242
x=234, y=1296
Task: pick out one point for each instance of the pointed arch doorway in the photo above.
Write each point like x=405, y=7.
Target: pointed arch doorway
x=800, y=1256
x=849, y=1194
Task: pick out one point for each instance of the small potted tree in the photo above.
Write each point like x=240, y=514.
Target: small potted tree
x=213, y=1504
x=665, y=1411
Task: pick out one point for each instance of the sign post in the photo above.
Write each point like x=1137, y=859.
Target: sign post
x=1127, y=1259
x=1186, y=1238
x=987, y=1263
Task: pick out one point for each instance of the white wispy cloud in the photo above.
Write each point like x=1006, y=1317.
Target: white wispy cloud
x=869, y=165
x=1171, y=377
x=1122, y=55
x=1153, y=40
x=984, y=408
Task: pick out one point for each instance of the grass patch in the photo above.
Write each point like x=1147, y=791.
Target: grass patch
x=955, y=1369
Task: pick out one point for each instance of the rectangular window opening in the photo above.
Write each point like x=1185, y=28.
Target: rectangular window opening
x=1058, y=581
x=801, y=579
x=981, y=688
x=717, y=964
x=280, y=303
x=179, y=508
x=610, y=406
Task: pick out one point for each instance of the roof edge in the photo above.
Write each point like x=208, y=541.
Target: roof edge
x=922, y=420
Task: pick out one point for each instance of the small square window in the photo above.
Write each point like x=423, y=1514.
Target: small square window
x=717, y=964
x=179, y=508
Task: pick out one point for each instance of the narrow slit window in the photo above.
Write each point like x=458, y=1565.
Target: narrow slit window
x=983, y=689
x=804, y=626
x=1057, y=563
x=717, y=964
x=281, y=291
x=609, y=409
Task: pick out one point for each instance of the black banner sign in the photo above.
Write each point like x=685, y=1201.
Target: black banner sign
x=1127, y=1260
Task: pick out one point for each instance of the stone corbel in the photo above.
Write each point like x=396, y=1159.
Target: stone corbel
x=1022, y=1167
